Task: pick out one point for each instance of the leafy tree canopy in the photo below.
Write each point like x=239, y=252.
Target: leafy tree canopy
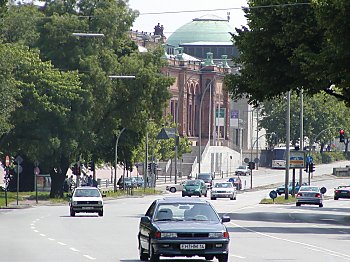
x=289, y=45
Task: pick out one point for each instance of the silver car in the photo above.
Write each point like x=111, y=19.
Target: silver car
x=223, y=190
x=311, y=195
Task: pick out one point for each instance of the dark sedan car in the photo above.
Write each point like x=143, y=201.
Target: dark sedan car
x=341, y=192
x=183, y=227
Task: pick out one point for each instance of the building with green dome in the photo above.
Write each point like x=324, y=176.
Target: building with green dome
x=208, y=33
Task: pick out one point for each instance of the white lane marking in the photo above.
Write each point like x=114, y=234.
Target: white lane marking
x=43, y=235
x=36, y=231
x=305, y=245
x=74, y=249
x=62, y=244
x=237, y=256
x=91, y=258
x=51, y=239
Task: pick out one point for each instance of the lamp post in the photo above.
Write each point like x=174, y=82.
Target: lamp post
x=118, y=136
x=88, y=34
x=116, y=160
x=251, y=155
x=177, y=138
x=200, y=124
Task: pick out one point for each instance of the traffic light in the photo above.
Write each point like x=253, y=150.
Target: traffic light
x=150, y=167
x=341, y=135
x=251, y=165
x=307, y=167
x=312, y=167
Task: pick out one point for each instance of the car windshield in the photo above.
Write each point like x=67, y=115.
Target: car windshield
x=223, y=185
x=186, y=212
x=242, y=167
x=309, y=188
x=86, y=193
x=192, y=183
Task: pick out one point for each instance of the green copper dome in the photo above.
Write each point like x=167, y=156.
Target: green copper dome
x=204, y=29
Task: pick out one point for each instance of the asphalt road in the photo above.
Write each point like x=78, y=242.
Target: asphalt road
x=258, y=232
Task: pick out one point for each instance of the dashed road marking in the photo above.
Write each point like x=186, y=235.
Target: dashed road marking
x=74, y=249
x=89, y=257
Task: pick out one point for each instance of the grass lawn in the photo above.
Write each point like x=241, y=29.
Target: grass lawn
x=278, y=200
x=45, y=196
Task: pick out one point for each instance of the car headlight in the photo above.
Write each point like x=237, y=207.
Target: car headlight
x=75, y=202
x=216, y=235
x=168, y=235
x=100, y=202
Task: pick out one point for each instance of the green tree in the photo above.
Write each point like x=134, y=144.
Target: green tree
x=321, y=112
x=42, y=124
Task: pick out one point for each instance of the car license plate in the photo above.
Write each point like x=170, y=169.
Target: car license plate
x=87, y=207
x=192, y=246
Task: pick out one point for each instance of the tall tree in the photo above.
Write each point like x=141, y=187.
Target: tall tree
x=321, y=113
x=268, y=47
x=42, y=123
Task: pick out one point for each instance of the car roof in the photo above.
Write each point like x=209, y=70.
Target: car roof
x=86, y=187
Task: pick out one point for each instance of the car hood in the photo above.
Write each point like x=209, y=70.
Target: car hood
x=191, y=187
x=192, y=226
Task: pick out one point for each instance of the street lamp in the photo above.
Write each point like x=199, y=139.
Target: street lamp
x=200, y=124
x=88, y=34
x=116, y=161
x=117, y=140
x=251, y=155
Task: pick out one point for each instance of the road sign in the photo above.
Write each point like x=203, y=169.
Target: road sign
x=273, y=194
x=309, y=159
x=19, y=160
x=7, y=161
x=297, y=159
x=18, y=169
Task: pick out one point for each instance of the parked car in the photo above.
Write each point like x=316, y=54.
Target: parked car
x=223, y=190
x=280, y=189
x=341, y=192
x=207, y=178
x=86, y=199
x=139, y=181
x=236, y=181
x=195, y=187
x=175, y=187
x=183, y=227
x=242, y=171
x=129, y=182
x=312, y=195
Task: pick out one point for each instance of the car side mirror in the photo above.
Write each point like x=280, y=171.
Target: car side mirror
x=69, y=195
x=145, y=219
x=225, y=219
x=104, y=195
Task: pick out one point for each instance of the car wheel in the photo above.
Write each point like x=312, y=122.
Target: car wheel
x=72, y=213
x=172, y=190
x=183, y=195
x=298, y=204
x=153, y=257
x=199, y=194
x=320, y=205
x=222, y=258
x=213, y=198
x=209, y=257
x=335, y=198
x=143, y=255
x=100, y=213
x=206, y=194
x=232, y=198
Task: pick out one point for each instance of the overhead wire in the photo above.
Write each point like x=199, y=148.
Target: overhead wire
x=225, y=9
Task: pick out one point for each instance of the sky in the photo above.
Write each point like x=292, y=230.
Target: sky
x=172, y=21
